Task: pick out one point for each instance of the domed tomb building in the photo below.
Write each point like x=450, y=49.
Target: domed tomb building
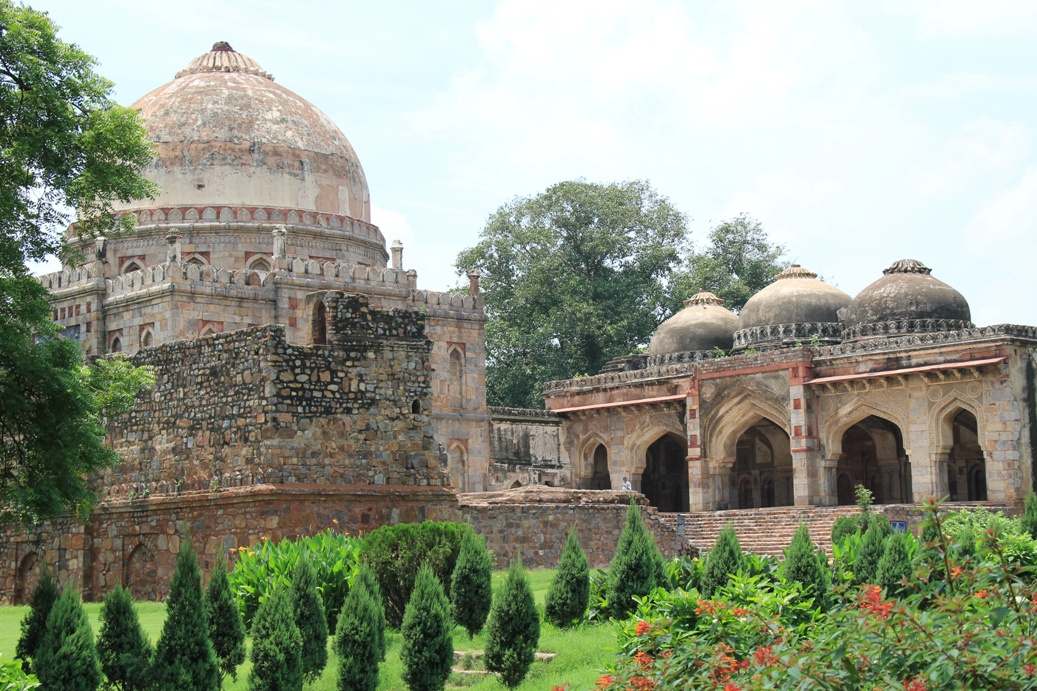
x=262, y=221
x=807, y=393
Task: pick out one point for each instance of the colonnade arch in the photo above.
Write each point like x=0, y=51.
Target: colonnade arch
x=761, y=474
x=966, y=466
x=872, y=454
x=664, y=480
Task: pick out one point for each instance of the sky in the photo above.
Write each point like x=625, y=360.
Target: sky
x=856, y=133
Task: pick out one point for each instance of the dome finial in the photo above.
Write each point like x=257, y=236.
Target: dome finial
x=222, y=47
x=907, y=266
x=703, y=297
x=795, y=271
x=223, y=58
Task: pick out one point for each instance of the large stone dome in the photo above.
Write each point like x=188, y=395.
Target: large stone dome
x=796, y=307
x=906, y=299
x=227, y=135
x=703, y=324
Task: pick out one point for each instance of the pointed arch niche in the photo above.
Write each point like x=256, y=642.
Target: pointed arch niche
x=966, y=467
x=664, y=481
x=873, y=455
x=761, y=475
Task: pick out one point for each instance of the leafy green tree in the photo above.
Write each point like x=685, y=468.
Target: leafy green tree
x=470, y=590
x=309, y=617
x=358, y=641
x=637, y=566
x=872, y=548
x=223, y=616
x=571, y=278
x=276, y=645
x=366, y=579
x=64, y=144
x=1029, y=517
x=184, y=657
x=807, y=565
x=428, y=646
x=843, y=526
x=34, y=625
x=722, y=561
x=569, y=594
x=122, y=647
x=894, y=567
x=513, y=631
x=738, y=261
x=67, y=656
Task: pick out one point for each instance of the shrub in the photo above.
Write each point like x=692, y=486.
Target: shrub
x=334, y=557
x=722, y=561
x=226, y=630
x=358, y=642
x=470, y=589
x=396, y=553
x=872, y=549
x=67, y=658
x=513, y=631
x=184, y=658
x=35, y=622
x=309, y=617
x=365, y=579
x=894, y=566
x=882, y=522
x=569, y=594
x=808, y=566
x=123, y=649
x=636, y=568
x=1028, y=522
x=843, y=526
x=276, y=646
x=14, y=678
x=428, y=648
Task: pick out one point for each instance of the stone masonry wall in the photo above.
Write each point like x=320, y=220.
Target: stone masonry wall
x=246, y=408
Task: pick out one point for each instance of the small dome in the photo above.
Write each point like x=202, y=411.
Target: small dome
x=907, y=292
x=703, y=324
x=795, y=297
x=226, y=135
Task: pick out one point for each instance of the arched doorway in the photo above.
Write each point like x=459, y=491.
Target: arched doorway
x=873, y=455
x=966, y=468
x=664, y=481
x=600, y=475
x=28, y=576
x=762, y=471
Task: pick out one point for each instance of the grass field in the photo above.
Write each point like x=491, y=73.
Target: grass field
x=580, y=654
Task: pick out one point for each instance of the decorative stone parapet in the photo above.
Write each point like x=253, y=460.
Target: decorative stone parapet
x=777, y=335
x=907, y=342
x=908, y=326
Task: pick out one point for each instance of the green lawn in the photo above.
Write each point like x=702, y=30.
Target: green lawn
x=580, y=654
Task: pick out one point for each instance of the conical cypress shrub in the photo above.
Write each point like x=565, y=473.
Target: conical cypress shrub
x=67, y=658
x=895, y=566
x=184, y=658
x=721, y=562
x=569, y=594
x=869, y=555
x=122, y=648
x=428, y=647
x=843, y=526
x=35, y=622
x=357, y=640
x=808, y=566
x=310, y=618
x=276, y=645
x=226, y=630
x=636, y=568
x=470, y=590
x=1029, y=517
x=366, y=579
x=513, y=631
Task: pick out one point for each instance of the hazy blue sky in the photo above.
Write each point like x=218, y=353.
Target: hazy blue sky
x=858, y=133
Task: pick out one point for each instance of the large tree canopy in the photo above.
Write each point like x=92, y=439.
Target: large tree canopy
x=64, y=144
x=571, y=278
x=737, y=262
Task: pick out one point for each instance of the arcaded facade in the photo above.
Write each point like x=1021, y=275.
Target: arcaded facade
x=807, y=393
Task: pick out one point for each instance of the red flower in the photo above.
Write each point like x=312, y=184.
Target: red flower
x=605, y=681
x=644, y=659
x=739, y=612
x=1030, y=669
x=956, y=571
x=872, y=602
x=982, y=594
x=765, y=656
x=731, y=686
x=916, y=684
x=642, y=628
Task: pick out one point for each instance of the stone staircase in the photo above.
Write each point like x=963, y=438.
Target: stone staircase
x=760, y=531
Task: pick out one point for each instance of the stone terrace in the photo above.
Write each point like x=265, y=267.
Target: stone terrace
x=770, y=530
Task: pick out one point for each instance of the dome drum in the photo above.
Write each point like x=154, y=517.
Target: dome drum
x=788, y=335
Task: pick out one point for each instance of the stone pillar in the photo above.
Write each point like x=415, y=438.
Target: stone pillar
x=397, y=255
x=173, y=248
x=473, y=283
x=412, y=279
x=700, y=485
x=808, y=486
x=280, y=244
x=939, y=460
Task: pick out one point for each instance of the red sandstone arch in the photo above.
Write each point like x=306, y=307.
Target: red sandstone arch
x=726, y=423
